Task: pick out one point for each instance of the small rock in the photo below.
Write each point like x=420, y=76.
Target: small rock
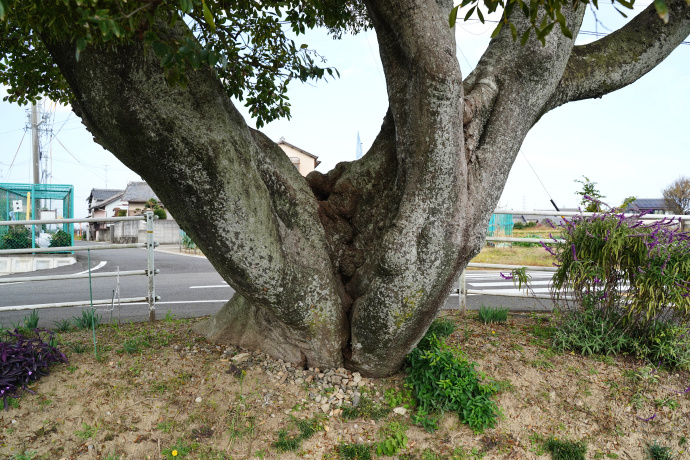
x=238, y=358
x=400, y=410
x=309, y=378
x=325, y=408
x=198, y=399
x=356, y=377
x=355, y=399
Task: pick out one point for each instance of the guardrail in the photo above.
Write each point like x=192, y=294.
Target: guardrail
x=462, y=290
x=149, y=272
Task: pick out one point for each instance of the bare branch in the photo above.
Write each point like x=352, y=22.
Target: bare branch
x=622, y=57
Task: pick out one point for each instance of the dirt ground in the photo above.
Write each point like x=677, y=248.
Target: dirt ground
x=158, y=390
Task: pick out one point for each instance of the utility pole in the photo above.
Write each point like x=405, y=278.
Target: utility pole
x=35, y=155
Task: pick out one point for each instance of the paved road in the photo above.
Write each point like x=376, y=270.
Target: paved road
x=188, y=286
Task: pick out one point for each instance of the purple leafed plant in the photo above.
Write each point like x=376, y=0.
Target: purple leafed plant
x=24, y=359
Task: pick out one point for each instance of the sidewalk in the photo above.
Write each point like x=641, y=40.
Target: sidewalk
x=177, y=249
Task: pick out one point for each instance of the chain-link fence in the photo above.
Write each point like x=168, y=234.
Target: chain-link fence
x=22, y=202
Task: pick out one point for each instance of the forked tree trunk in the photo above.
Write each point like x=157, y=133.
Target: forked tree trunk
x=347, y=268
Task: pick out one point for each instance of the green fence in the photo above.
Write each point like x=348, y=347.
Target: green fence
x=36, y=202
x=500, y=225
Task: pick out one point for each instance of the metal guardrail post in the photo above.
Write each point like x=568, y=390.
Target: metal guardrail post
x=150, y=269
x=462, y=293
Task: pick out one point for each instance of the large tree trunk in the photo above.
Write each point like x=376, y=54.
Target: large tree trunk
x=347, y=268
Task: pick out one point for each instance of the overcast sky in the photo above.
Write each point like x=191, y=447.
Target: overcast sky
x=632, y=142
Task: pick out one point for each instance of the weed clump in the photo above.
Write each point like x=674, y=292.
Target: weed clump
x=290, y=442
x=444, y=382
x=366, y=409
x=565, y=450
x=656, y=451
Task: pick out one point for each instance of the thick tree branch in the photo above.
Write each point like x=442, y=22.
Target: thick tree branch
x=622, y=57
x=232, y=189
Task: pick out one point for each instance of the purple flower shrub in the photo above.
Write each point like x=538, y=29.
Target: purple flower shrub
x=24, y=359
x=637, y=269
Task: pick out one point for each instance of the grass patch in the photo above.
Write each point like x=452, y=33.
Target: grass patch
x=493, y=314
x=288, y=442
x=565, y=450
x=366, y=409
x=88, y=319
x=515, y=256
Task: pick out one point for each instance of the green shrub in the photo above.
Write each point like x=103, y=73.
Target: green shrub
x=630, y=288
x=439, y=328
x=443, y=382
x=17, y=237
x=160, y=212
x=60, y=239
x=493, y=314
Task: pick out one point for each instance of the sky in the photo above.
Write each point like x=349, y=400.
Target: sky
x=633, y=142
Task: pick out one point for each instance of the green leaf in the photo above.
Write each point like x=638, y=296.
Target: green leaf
x=208, y=17
x=497, y=30
x=469, y=13
x=480, y=15
x=454, y=16
x=525, y=37
x=3, y=7
x=662, y=10
x=564, y=28
x=513, y=31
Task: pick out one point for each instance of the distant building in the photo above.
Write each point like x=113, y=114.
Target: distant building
x=304, y=161
x=136, y=195
x=102, y=202
x=649, y=205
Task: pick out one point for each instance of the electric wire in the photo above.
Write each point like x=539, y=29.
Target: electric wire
x=15, y=156
x=78, y=161
x=535, y=173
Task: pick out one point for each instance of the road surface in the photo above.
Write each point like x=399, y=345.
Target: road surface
x=188, y=286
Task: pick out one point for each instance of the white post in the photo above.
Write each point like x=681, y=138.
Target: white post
x=150, y=267
x=462, y=293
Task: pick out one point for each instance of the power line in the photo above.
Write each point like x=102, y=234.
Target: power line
x=542, y=184
x=15, y=156
x=77, y=159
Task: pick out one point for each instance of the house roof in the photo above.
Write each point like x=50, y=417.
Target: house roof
x=282, y=141
x=102, y=194
x=138, y=192
x=648, y=203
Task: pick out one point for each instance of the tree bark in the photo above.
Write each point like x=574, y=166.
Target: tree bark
x=349, y=267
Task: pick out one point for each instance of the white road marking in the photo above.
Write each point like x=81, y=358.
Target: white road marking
x=210, y=286
x=508, y=282
x=97, y=267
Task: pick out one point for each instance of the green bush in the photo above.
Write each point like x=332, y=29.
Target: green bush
x=60, y=239
x=630, y=286
x=439, y=328
x=17, y=237
x=160, y=212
